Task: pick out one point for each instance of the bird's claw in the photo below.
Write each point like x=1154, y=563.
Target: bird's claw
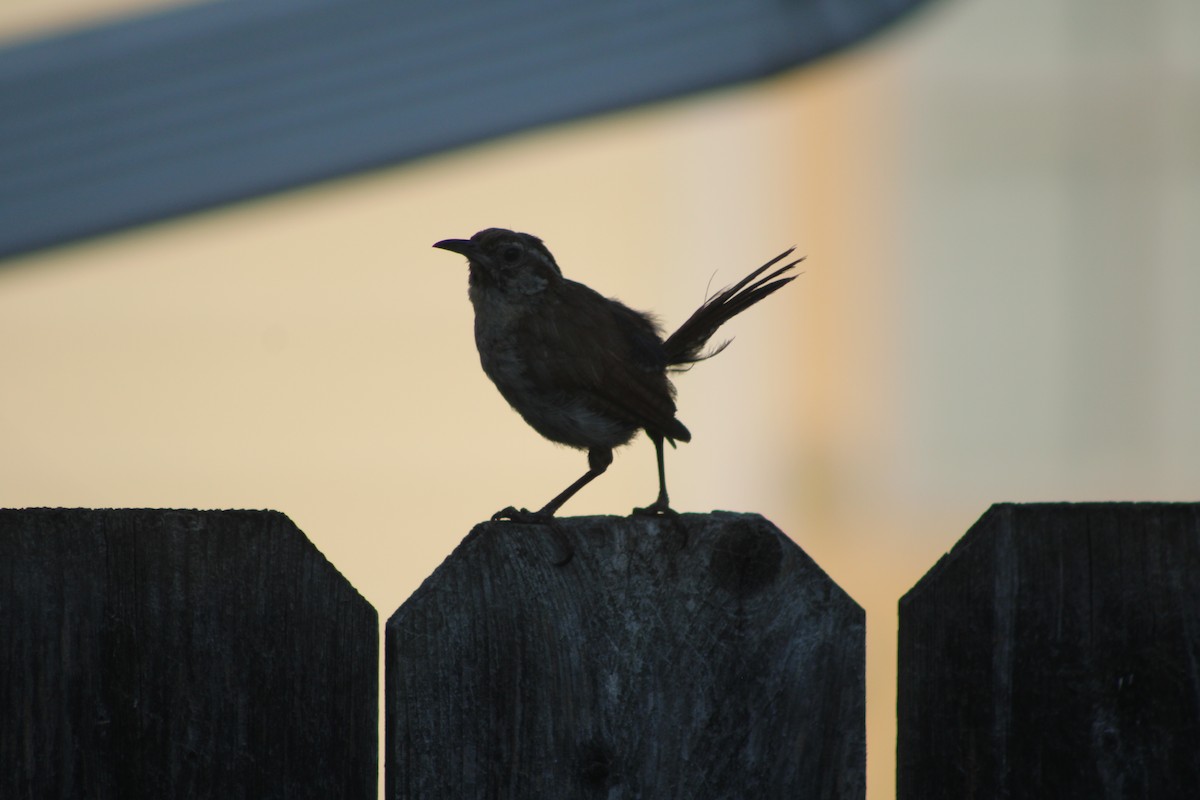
x=656, y=509
x=521, y=515
x=673, y=522
x=526, y=517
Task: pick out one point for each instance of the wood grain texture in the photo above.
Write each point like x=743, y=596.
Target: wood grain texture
x=1054, y=652
x=180, y=654
x=705, y=657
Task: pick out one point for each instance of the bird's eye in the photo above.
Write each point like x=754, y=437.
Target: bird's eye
x=511, y=254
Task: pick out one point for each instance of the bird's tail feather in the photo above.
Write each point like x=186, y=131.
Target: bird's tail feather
x=685, y=346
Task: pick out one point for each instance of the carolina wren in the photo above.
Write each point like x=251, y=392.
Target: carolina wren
x=582, y=369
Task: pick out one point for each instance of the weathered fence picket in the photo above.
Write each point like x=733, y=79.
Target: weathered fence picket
x=704, y=656
x=173, y=654
x=1055, y=652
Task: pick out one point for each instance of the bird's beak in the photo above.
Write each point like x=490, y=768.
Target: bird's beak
x=461, y=246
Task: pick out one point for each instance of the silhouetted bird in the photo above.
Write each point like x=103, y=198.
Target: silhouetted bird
x=584, y=370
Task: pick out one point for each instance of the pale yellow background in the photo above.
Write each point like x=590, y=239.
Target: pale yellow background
x=1001, y=206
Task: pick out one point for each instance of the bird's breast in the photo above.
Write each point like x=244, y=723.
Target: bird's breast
x=508, y=347
x=498, y=335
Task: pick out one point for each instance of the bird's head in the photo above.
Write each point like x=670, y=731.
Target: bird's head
x=515, y=264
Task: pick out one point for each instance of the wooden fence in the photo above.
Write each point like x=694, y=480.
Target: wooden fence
x=1053, y=653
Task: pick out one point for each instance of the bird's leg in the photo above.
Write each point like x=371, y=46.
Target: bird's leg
x=598, y=460
x=661, y=506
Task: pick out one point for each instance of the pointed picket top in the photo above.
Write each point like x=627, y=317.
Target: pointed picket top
x=698, y=656
x=1053, y=653
x=164, y=653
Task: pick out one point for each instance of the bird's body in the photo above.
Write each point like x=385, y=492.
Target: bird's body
x=582, y=369
x=576, y=381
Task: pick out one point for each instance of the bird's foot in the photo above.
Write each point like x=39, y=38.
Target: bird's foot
x=673, y=522
x=658, y=508
x=564, y=550
x=522, y=515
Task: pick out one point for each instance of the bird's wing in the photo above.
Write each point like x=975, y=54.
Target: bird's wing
x=616, y=365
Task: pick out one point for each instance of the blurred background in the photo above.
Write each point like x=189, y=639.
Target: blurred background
x=1000, y=204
